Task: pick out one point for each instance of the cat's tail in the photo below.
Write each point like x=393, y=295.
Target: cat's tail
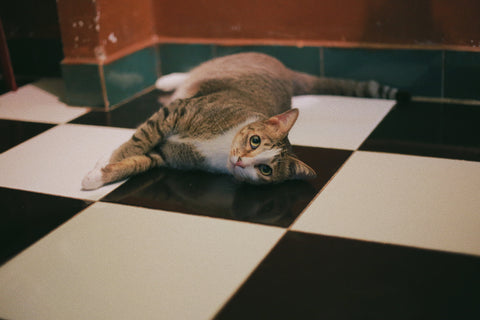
x=307, y=84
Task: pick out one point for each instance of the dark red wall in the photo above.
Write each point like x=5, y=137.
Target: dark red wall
x=442, y=23
x=103, y=30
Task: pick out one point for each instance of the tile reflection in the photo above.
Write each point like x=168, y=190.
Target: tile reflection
x=203, y=193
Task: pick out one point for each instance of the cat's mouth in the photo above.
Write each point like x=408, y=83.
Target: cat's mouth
x=234, y=165
x=237, y=168
x=242, y=170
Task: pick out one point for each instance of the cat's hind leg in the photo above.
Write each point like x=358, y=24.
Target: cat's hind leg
x=146, y=137
x=117, y=171
x=171, y=81
x=179, y=85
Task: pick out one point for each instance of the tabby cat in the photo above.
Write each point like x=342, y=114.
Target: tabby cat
x=230, y=115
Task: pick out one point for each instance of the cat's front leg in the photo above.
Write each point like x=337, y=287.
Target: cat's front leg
x=93, y=180
x=112, y=172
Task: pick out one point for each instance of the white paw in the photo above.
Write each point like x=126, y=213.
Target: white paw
x=93, y=180
x=103, y=161
x=171, y=81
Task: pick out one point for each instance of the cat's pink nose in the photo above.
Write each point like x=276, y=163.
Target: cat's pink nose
x=239, y=163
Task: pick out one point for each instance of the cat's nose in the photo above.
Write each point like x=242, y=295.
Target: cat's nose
x=239, y=163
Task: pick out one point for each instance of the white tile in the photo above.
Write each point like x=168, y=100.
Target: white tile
x=120, y=262
x=39, y=102
x=407, y=200
x=336, y=122
x=55, y=161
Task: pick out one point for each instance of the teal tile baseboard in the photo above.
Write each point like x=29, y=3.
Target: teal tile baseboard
x=416, y=71
x=110, y=84
x=305, y=59
x=462, y=75
x=130, y=75
x=183, y=57
x=423, y=73
x=83, y=85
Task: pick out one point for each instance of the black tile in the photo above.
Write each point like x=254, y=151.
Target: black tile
x=214, y=195
x=25, y=217
x=15, y=132
x=128, y=115
x=317, y=277
x=429, y=129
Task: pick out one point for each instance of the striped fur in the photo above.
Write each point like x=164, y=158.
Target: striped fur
x=214, y=112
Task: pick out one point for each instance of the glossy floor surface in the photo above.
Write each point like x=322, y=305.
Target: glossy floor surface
x=390, y=228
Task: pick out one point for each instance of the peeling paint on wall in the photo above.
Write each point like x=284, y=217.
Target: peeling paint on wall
x=96, y=21
x=100, y=53
x=112, y=38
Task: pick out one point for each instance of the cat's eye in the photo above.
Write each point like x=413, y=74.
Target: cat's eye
x=255, y=142
x=265, y=170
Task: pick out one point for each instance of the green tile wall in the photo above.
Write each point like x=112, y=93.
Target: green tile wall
x=425, y=73
x=123, y=79
x=306, y=59
x=418, y=72
x=462, y=75
x=83, y=85
x=130, y=75
x=183, y=57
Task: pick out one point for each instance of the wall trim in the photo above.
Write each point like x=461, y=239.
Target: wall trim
x=312, y=43
x=115, y=56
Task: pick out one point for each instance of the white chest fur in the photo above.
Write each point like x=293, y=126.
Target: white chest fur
x=216, y=151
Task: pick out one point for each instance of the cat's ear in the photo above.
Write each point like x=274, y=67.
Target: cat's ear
x=300, y=170
x=284, y=122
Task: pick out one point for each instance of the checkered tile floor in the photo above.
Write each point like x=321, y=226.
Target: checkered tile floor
x=390, y=229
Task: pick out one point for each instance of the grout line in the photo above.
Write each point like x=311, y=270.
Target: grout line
x=442, y=76
x=322, y=62
x=103, y=84
x=289, y=228
x=250, y=274
x=158, y=62
x=447, y=100
x=213, y=51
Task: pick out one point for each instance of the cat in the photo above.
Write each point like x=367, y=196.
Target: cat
x=230, y=115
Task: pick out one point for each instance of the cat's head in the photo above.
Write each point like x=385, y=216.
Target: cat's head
x=261, y=152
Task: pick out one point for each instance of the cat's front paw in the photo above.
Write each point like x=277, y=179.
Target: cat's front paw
x=103, y=161
x=93, y=180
